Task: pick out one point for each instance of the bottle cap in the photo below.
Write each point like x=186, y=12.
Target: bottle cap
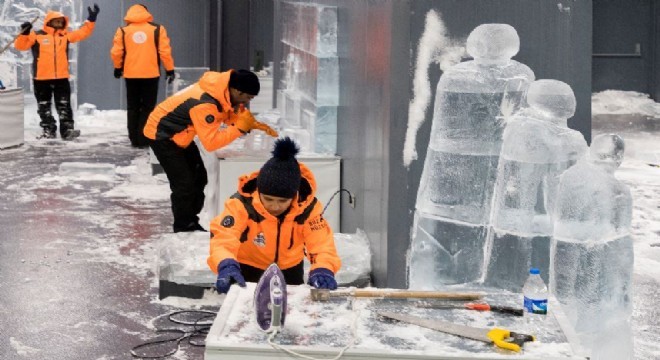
x=534, y=271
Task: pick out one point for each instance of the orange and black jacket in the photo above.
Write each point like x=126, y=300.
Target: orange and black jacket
x=203, y=109
x=50, y=47
x=249, y=234
x=139, y=47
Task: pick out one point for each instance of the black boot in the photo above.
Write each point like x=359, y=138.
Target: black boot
x=70, y=134
x=48, y=134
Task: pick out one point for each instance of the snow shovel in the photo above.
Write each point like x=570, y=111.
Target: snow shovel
x=16, y=36
x=325, y=294
x=502, y=338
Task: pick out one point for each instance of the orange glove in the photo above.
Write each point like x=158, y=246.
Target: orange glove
x=265, y=128
x=245, y=120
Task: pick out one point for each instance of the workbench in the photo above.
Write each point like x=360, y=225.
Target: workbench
x=322, y=329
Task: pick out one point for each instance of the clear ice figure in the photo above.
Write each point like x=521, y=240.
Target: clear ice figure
x=537, y=147
x=592, y=250
x=456, y=187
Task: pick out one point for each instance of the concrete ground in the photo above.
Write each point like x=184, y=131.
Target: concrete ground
x=76, y=278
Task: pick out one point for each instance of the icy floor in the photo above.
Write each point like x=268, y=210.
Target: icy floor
x=78, y=244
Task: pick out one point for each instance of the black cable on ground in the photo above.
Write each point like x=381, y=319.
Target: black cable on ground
x=350, y=199
x=199, y=329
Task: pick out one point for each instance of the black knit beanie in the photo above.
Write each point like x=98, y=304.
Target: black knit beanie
x=245, y=81
x=280, y=176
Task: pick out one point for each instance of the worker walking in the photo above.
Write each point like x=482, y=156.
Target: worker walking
x=137, y=52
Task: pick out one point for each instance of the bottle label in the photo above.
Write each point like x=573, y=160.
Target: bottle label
x=536, y=306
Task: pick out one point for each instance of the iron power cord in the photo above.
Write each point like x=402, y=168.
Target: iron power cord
x=199, y=329
x=350, y=198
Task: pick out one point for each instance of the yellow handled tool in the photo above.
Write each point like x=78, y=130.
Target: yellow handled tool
x=502, y=338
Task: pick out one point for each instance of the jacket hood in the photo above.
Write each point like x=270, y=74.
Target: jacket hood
x=54, y=15
x=138, y=14
x=247, y=186
x=216, y=84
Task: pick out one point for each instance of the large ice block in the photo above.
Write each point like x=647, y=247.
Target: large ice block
x=182, y=268
x=308, y=92
x=185, y=76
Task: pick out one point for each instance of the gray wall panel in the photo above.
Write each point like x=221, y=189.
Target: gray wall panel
x=618, y=27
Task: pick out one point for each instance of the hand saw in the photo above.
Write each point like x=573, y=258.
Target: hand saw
x=502, y=338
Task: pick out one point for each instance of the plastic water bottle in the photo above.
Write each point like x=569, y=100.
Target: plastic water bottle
x=535, y=302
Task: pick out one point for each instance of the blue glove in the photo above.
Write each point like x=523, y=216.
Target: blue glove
x=228, y=272
x=322, y=278
x=93, y=13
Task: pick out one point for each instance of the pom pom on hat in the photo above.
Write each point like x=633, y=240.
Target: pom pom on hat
x=280, y=175
x=245, y=81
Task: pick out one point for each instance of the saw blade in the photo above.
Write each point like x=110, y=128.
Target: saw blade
x=443, y=326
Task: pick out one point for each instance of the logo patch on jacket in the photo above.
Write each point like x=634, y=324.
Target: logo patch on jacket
x=318, y=224
x=228, y=221
x=260, y=240
x=209, y=119
x=139, y=37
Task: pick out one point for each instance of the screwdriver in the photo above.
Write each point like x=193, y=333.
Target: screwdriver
x=475, y=306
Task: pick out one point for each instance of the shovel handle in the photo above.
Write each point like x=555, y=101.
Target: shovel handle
x=16, y=36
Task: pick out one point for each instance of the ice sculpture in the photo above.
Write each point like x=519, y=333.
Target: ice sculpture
x=537, y=147
x=308, y=93
x=592, y=255
x=453, y=201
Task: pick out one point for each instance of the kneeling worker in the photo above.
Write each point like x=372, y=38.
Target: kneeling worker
x=274, y=218
x=212, y=109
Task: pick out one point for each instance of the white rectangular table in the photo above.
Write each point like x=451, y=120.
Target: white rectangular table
x=322, y=329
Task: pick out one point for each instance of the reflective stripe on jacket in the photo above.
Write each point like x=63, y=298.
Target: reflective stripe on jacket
x=203, y=109
x=140, y=46
x=50, y=47
x=248, y=233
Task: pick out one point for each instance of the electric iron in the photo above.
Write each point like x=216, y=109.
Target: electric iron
x=270, y=300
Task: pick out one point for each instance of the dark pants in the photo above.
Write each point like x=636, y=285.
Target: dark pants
x=60, y=89
x=292, y=275
x=141, y=97
x=187, y=176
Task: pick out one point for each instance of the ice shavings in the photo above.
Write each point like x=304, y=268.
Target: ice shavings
x=624, y=102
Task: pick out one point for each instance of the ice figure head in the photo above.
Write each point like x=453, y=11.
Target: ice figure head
x=493, y=43
x=552, y=97
x=607, y=151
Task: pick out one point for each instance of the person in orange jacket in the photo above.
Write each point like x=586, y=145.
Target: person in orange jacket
x=50, y=47
x=137, y=52
x=274, y=218
x=213, y=110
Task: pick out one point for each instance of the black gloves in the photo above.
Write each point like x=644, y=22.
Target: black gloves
x=25, y=28
x=118, y=73
x=93, y=13
x=169, y=75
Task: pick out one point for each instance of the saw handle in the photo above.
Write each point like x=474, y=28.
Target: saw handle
x=509, y=340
